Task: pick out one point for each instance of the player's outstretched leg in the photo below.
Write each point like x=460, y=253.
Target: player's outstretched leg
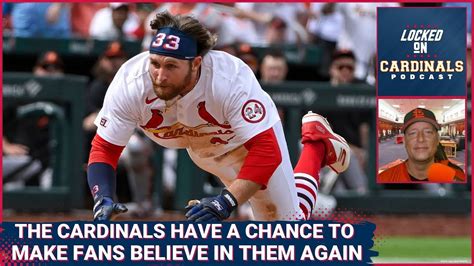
x=321, y=147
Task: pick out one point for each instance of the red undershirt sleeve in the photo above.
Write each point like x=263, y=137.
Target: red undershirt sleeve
x=263, y=158
x=103, y=151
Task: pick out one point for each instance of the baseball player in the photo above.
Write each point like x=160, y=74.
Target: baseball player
x=183, y=95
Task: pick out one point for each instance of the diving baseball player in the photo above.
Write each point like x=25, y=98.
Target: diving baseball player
x=183, y=95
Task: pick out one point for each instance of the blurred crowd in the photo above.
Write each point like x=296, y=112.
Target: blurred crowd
x=344, y=32
x=331, y=26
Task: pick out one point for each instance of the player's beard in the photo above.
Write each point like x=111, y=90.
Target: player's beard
x=169, y=91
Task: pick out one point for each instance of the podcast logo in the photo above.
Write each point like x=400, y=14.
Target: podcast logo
x=421, y=51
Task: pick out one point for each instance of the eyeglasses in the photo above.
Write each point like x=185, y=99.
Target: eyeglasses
x=349, y=67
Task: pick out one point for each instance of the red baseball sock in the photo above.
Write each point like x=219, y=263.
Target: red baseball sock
x=311, y=159
x=307, y=175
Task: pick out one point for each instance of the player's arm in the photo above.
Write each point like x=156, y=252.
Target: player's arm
x=116, y=122
x=103, y=159
x=243, y=190
x=262, y=160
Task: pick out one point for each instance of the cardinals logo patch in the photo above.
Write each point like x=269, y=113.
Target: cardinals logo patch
x=253, y=111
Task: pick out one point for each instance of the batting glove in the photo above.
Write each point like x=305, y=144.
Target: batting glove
x=105, y=209
x=211, y=209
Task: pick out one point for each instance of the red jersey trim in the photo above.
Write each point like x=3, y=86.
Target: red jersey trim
x=263, y=158
x=103, y=151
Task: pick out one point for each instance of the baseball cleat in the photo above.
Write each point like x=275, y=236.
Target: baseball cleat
x=316, y=128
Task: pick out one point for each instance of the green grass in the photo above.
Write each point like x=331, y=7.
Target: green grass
x=424, y=249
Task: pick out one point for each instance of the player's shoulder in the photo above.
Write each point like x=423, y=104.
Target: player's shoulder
x=136, y=68
x=227, y=71
x=221, y=55
x=128, y=80
x=136, y=65
x=222, y=63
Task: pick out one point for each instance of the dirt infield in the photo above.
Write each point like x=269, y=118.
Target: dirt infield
x=406, y=225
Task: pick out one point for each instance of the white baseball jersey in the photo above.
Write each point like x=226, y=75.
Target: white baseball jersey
x=225, y=109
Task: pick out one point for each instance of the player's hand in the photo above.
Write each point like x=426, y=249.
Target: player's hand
x=211, y=209
x=105, y=209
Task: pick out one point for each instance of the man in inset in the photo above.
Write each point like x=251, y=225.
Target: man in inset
x=183, y=95
x=421, y=140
